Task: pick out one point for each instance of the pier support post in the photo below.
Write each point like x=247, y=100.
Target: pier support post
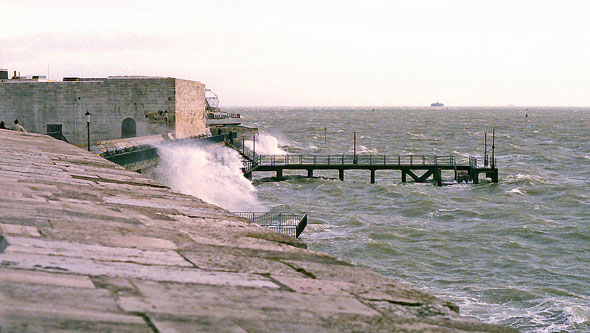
x=248, y=175
x=309, y=173
x=475, y=176
x=341, y=174
x=372, y=176
x=437, y=176
x=493, y=174
x=279, y=173
x=404, y=176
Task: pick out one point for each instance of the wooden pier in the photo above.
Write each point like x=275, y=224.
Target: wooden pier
x=420, y=168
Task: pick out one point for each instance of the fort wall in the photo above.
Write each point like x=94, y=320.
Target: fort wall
x=142, y=101
x=190, y=108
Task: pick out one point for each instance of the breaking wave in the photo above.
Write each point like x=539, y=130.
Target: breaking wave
x=212, y=174
x=266, y=145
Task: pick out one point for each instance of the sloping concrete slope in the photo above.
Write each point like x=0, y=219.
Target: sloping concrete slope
x=88, y=246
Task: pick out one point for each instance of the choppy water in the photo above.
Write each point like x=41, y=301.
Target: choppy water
x=515, y=253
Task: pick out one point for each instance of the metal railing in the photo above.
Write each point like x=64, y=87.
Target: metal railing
x=248, y=157
x=487, y=162
x=249, y=166
x=222, y=115
x=290, y=224
x=131, y=154
x=405, y=160
x=246, y=152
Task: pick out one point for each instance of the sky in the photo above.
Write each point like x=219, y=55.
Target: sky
x=316, y=53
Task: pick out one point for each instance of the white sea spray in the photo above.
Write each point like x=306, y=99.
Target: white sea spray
x=212, y=174
x=266, y=144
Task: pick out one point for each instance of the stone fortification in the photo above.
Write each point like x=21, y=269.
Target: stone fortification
x=120, y=107
x=86, y=245
x=190, y=108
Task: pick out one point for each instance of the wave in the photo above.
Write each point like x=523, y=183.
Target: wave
x=212, y=174
x=265, y=145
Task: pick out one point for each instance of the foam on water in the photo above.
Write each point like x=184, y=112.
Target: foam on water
x=516, y=191
x=212, y=174
x=266, y=144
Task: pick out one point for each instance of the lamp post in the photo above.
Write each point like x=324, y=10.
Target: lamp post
x=166, y=117
x=88, y=114
x=354, y=149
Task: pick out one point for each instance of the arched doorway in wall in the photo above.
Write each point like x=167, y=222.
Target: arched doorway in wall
x=128, y=128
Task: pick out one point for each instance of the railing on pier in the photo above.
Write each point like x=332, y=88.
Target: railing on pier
x=248, y=157
x=249, y=166
x=289, y=224
x=376, y=160
x=487, y=162
x=246, y=152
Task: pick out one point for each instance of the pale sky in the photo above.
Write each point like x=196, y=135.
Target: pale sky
x=316, y=53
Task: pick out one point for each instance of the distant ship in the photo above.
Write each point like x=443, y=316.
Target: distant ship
x=437, y=104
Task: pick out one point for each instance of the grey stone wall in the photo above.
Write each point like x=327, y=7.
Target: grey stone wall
x=190, y=108
x=110, y=101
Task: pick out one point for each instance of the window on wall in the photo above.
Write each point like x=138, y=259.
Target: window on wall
x=128, y=128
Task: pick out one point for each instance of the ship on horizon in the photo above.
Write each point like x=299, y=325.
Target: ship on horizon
x=437, y=104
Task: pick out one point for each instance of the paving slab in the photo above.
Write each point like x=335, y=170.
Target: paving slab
x=99, y=252
x=53, y=279
x=92, y=267
x=17, y=229
x=42, y=318
x=237, y=302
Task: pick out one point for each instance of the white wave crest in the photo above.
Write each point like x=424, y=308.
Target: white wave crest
x=365, y=150
x=577, y=315
x=516, y=191
x=266, y=145
x=214, y=175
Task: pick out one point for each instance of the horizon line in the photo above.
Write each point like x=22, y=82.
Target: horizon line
x=406, y=106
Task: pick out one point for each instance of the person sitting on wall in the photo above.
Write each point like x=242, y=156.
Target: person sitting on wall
x=17, y=127
x=2, y=125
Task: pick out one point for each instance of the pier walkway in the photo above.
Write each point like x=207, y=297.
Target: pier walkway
x=86, y=245
x=430, y=166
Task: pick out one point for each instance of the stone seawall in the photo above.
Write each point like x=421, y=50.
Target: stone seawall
x=88, y=246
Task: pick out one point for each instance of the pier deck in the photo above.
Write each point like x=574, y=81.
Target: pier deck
x=430, y=166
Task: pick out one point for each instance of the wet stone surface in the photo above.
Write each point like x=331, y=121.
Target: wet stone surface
x=88, y=246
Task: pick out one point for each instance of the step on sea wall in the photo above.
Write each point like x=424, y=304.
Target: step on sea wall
x=86, y=245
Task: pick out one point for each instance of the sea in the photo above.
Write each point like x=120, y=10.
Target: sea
x=514, y=253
